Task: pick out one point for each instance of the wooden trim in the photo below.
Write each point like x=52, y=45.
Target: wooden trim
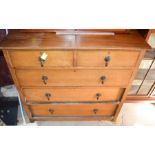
x=109, y=118
x=75, y=68
x=79, y=30
x=139, y=98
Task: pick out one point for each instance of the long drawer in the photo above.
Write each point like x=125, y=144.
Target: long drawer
x=41, y=58
x=109, y=58
x=72, y=109
x=73, y=77
x=73, y=94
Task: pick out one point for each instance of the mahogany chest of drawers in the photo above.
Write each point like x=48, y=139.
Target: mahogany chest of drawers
x=73, y=77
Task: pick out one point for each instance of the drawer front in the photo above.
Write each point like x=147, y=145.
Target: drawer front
x=107, y=58
x=41, y=58
x=73, y=78
x=73, y=109
x=73, y=94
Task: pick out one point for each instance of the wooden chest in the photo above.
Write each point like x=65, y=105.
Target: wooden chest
x=73, y=77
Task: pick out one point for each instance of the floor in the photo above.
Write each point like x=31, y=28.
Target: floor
x=132, y=114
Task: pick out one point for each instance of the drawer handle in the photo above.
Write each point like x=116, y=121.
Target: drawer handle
x=95, y=111
x=48, y=95
x=42, y=59
x=51, y=111
x=45, y=79
x=107, y=60
x=102, y=78
x=98, y=95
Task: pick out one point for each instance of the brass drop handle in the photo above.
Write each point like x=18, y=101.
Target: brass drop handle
x=107, y=60
x=41, y=61
x=95, y=111
x=45, y=79
x=102, y=78
x=42, y=58
x=98, y=95
x=51, y=111
x=48, y=95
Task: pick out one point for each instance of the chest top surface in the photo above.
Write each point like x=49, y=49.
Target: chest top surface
x=43, y=40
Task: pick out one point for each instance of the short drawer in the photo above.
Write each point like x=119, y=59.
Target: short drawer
x=72, y=109
x=73, y=77
x=111, y=58
x=73, y=94
x=41, y=58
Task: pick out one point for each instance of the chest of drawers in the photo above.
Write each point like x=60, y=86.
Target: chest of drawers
x=73, y=77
